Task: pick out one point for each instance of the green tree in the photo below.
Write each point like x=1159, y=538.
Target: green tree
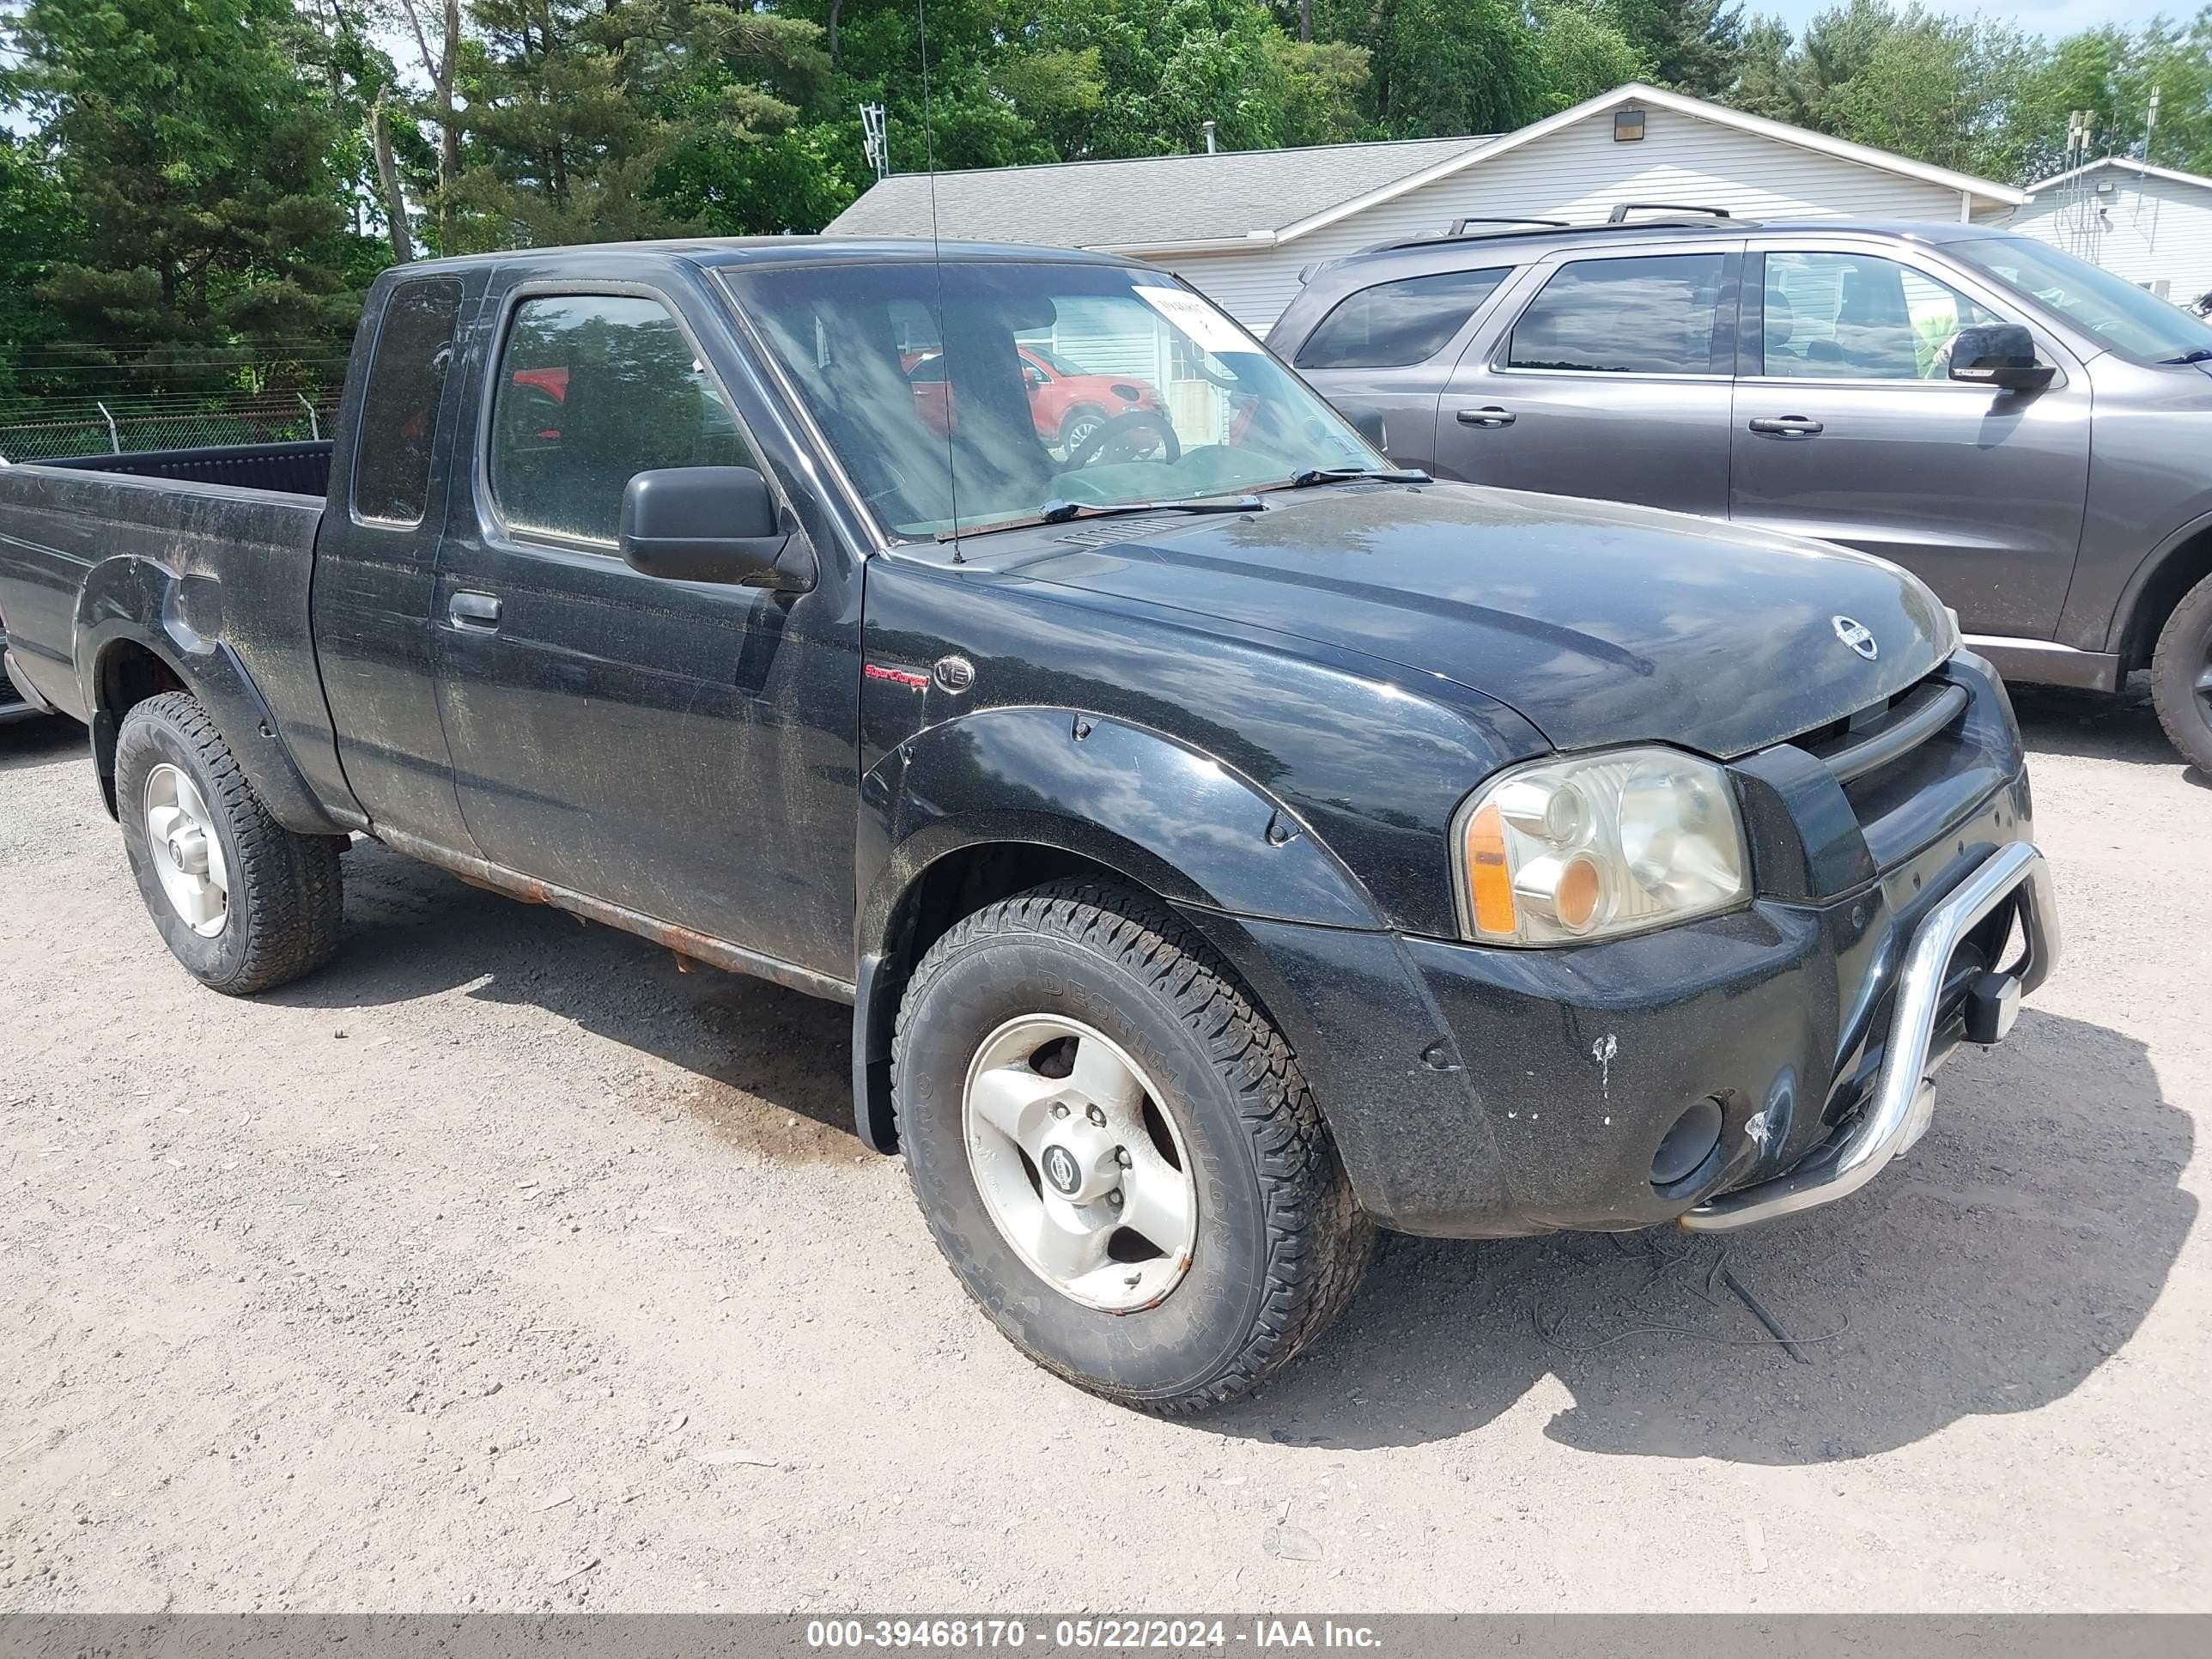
x=1443, y=68
x=1584, y=51
x=195, y=158
x=1323, y=85
x=1162, y=71
x=1691, y=45
x=1766, y=72
x=35, y=226
x=585, y=122
x=1935, y=88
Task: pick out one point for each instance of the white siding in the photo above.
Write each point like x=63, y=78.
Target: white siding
x=2147, y=230
x=1580, y=174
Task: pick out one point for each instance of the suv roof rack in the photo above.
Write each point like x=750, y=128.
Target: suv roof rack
x=1481, y=229
x=1459, y=226
x=1619, y=215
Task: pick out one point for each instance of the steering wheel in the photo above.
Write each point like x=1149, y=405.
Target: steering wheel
x=1092, y=446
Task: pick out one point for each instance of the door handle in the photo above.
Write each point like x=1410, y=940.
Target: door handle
x=1787, y=426
x=1489, y=416
x=479, y=611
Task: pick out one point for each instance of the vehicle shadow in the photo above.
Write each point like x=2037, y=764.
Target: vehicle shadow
x=39, y=742
x=2003, y=1259
x=760, y=1055
x=2017, y=1247
x=2056, y=720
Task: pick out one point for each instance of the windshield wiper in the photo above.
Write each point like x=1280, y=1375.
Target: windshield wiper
x=2196, y=354
x=1061, y=511
x=1308, y=476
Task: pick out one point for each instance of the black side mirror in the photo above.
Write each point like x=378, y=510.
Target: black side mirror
x=706, y=524
x=2001, y=355
x=1367, y=421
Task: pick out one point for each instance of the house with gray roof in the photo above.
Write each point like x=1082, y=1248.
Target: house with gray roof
x=1241, y=225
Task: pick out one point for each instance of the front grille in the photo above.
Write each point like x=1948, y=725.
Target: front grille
x=1897, y=760
x=1888, y=733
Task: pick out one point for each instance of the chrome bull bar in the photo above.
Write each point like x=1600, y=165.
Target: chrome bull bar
x=1903, y=1097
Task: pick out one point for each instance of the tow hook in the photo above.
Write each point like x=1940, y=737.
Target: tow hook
x=1993, y=1006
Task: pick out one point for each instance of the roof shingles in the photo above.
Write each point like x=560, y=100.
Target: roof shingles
x=1145, y=202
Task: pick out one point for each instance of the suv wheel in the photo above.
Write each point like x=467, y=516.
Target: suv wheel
x=2181, y=676
x=1116, y=1153
x=242, y=902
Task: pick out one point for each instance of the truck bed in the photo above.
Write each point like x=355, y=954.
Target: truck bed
x=293, y=469
x=237, y=525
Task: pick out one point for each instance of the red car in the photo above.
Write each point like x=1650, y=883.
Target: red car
x=1066, y=405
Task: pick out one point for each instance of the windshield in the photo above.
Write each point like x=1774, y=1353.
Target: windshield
x=914, y=371
x=2132, y=321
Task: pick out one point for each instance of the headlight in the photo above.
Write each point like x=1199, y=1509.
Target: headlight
x=1588, y=847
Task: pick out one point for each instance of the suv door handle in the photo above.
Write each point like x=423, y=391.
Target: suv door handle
x=1490, y=415
x=1789, y=426
x=478, y=611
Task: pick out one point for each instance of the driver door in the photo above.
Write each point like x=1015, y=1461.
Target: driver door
x=1848, y=427
x=680, y=750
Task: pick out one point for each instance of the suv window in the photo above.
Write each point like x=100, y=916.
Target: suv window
x=1657, y=315
x=399, y=409
x=1395, y=324
x=1860, y=317
x=592, y=389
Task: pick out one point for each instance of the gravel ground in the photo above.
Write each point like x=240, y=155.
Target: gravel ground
x=502, y=1266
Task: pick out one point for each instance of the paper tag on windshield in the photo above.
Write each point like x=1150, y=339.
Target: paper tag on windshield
x=1208, y=328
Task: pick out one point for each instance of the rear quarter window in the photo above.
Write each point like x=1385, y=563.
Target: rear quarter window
x=399, y=427
x=1394, y=325
x=1657, y=315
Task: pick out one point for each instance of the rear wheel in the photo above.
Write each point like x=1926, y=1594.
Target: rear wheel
x=1117, y=1151
x=244, y=903
x=2181, y=676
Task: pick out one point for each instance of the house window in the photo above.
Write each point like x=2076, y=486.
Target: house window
x=1627, y=126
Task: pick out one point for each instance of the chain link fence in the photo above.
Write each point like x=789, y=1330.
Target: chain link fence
x=102, y=429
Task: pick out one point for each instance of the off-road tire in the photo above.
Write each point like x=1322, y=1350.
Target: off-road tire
x=1282, y=1243
x=286, y=899
x=2184, y=654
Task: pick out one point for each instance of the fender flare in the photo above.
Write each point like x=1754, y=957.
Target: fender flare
x=1135, y=800
x=2147, y=573
x=132, y=601
x=1125, y=797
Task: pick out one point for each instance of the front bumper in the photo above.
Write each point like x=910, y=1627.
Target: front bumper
x=2015, y=878
x=1478, y=1092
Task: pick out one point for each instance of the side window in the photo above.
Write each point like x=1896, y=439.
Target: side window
x=592, y=389
x=1395, y=324
x=1860, y=317
x=399, y=409
x=1656, y=315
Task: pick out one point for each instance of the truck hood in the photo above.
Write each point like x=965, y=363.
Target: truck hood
x=1598, y=623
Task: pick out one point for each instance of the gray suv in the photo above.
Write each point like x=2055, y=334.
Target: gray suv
x=2030, y=434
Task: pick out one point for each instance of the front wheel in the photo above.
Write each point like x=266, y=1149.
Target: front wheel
x=244, y=903
x=1117, y=1151
x=2181, y=676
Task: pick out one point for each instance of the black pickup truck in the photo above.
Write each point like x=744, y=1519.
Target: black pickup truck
x=1228, y=845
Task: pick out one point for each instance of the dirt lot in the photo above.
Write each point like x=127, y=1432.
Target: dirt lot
x=502, y=1265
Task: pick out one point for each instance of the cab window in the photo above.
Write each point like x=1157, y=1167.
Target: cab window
x=592, y=389
x=399, y=409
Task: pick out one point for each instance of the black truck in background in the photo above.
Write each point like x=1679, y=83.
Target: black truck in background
x=1228, y=845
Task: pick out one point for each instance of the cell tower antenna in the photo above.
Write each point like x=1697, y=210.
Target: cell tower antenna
x=874, y=140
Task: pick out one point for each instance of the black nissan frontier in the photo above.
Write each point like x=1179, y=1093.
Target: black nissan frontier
x=1230, y=845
